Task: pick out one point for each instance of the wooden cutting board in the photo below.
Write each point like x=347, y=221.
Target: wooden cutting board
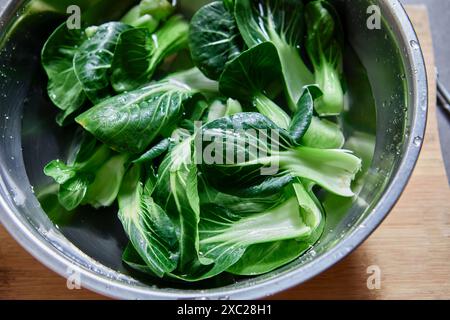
x=411, y=248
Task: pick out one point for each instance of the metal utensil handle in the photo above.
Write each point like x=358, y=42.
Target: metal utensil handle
x=443, y=97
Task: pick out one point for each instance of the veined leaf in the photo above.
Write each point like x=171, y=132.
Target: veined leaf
x=255, y=204
x=148, y=227
x=59, y=171
x=280, y=22
x=246, y=77
x=62, y=172
x=131, y=121
x=333, y=170
x=195, y=79
x=148, y=14
x=251, y=72
x=76, y=177
x=301, y=121
x=156, y=151
x=220, y=227
x=92, y=61
x=177, y=192
x=229, y=5
x=265, y=257
x=323, y=134
x=146, y=51
x=224, y=236
x=102, y=192
x=72, y=192
x=214, y=39
x=324, y=48
x=64, y=88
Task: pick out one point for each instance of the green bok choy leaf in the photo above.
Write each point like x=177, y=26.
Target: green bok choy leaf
x=280, y=22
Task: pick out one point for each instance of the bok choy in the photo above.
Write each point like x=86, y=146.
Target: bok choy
x=208, y=136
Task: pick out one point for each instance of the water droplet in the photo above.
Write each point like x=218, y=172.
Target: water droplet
x=203, y=298
x=423, y=103
x=19, y=199
x=347, y=249
x=417, y=141
x=414, y=44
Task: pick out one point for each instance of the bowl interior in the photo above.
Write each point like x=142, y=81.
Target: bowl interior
x=377, y=124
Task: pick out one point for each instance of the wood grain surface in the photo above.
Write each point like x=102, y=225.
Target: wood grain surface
x=411, y=247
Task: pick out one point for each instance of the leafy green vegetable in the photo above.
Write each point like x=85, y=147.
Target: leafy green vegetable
x=92, y=11
x=48, y=198
x=323, y=134
x=75, y=178
x=247, y=76
x=148, y=14
x=102, y=192
x=92, y=175
x=205, y=185
x=146, y=51
x=301, y=122
x=214, y=39
x=92, y=61
x=224, y=235
x=325, y=52
x=64, y=89
x=331, y=169
x=254, y=204
x=72, y=192
x=229, y=5
x=160, y=9
x=195, y=79
x=265, y=257
x=78, y=63
x=219, y=108
x=219, y=227
x=139, y=116
x=150, y=230
x=137, y=19
x=62, y=172
x=177, y=191
x=280, y=22
x=154, y=152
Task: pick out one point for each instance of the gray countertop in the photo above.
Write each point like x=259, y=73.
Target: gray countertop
x=439, y=12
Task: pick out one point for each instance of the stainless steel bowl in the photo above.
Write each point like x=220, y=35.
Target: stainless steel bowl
x=385, y=123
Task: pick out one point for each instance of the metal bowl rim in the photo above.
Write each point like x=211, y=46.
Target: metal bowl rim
x=47, y=254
